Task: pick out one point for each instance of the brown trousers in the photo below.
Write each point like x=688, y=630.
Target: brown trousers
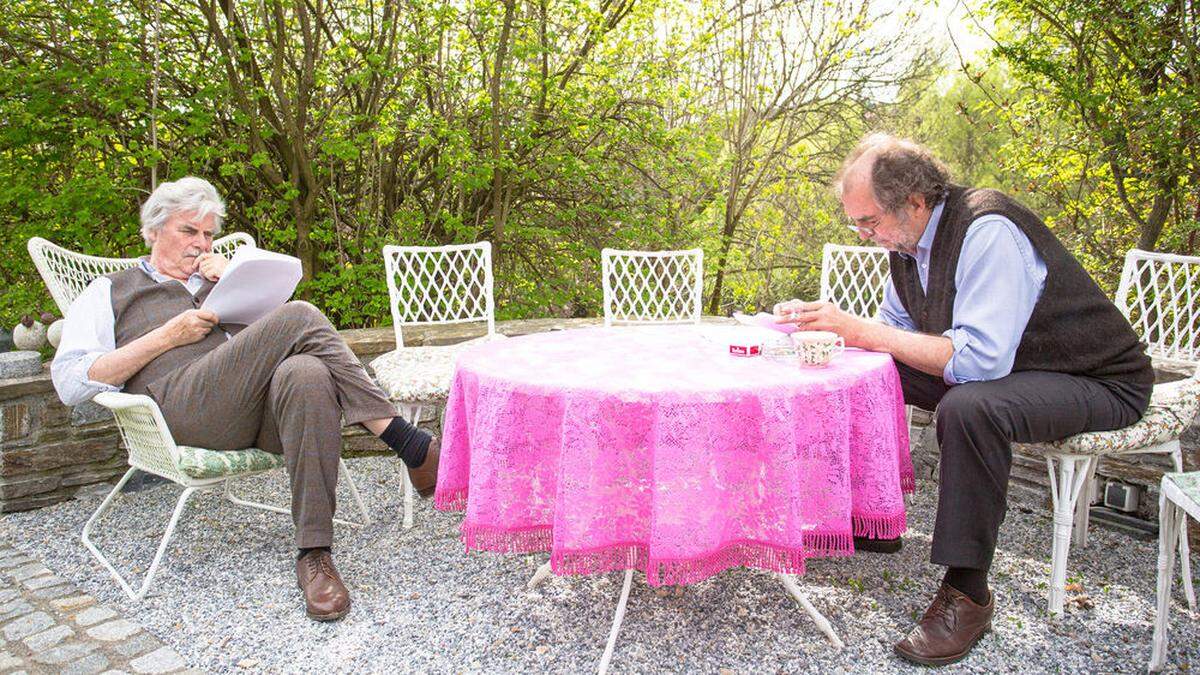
x=283, y=384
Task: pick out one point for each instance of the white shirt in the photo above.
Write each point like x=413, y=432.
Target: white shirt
x=89, y=333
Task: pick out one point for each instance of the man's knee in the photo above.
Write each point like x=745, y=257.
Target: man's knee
x=968, y=407
x=303, y=370
x=302, y=313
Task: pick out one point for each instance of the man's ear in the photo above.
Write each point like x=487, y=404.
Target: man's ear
x=916, y=201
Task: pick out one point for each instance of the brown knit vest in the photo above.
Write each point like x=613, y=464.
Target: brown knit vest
x=141, y=304
x=1074, y=327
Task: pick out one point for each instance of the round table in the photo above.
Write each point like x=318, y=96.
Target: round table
x=653, y=448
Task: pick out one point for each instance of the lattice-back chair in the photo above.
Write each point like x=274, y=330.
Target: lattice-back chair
x=854, y=278
x=1160, y=295
x=652, y=287
x=432, y=285
x=67, y=273
x=143, y=430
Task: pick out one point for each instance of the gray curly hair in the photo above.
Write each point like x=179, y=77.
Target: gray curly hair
x=901, y=168
x=186, y=194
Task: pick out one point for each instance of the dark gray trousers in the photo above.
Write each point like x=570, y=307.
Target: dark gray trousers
x=284, y=385
x=977, y=423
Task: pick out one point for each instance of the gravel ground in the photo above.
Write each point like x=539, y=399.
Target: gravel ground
x=226, y=597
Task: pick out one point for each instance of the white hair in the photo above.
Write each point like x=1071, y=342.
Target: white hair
x=182, y=196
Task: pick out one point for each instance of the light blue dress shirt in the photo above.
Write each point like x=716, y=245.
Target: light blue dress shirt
x=999, y=278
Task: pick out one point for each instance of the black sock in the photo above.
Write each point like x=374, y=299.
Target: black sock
x=972, y=583
x=409, y=442
x=305, y=551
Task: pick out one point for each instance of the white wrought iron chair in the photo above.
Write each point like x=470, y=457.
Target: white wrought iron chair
x=432, y=285
x=652, y=287
x=67, y=273
x=1179, y=497
x=1160, y=295
x=854, y=278
x=147, y=439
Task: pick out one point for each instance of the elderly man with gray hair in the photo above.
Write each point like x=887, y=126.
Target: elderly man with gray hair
x=993, y=322
x=283, y=383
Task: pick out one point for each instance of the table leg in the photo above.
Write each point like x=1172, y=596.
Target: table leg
x=539, y=576
x=822, y=623
x=616, y=626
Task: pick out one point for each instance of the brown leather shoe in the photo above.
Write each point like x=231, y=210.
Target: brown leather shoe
x=950, y=628
x=325, y=596
x=424, y=477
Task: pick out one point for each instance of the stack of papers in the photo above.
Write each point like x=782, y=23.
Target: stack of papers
x=254, y=283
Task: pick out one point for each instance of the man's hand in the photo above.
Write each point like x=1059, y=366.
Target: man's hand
x=211, y=265
x=188, y=327
x=824, y=316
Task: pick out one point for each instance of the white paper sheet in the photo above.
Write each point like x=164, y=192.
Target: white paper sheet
x=764, y=320
x=254, y=283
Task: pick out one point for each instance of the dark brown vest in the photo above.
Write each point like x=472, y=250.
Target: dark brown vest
x=141, y=304
x=1074, y=327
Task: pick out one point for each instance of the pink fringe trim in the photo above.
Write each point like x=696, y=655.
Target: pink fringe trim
x=681, y=572
x=908, y=483
x=450, y=500
x=528, y=540
x=879, y=527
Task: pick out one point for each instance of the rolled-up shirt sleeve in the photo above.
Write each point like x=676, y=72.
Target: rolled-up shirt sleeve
x=891, y=310
x=87, y=335
x=999, y=280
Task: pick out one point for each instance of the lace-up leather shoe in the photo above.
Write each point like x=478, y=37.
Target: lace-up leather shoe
x=325, y=596
x=424, y=477
x=950, y=628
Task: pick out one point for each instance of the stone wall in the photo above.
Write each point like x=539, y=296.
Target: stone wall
x=48, y=450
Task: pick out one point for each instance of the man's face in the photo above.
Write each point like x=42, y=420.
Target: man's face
x=894, y=231
x=174, y=248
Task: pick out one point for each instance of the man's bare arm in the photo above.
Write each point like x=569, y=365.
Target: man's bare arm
x=927, y=353
x=117, y=366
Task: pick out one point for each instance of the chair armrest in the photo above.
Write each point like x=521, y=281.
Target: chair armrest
x=147, y=437
x=115, y=400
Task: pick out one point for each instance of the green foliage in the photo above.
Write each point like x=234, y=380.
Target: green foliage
x=557, y=128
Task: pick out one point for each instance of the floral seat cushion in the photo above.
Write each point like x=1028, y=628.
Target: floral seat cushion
x=1172, y=407
x=420, y=374
x=201, y=463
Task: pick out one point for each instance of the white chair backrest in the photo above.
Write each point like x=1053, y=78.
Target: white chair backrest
x=652, y=287
x=854, y=278
x=1160, y=295
x=440, y=285
x=67, y=273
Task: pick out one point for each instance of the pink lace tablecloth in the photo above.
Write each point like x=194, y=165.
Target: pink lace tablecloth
x=655, y=449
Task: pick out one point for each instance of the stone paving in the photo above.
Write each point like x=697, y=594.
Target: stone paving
x=48, y=626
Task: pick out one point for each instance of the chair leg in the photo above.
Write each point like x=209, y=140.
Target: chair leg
x=618, y=617
x=358, y=502
x=362, y=509
x=162, y=546
x=1170, y=517
x=818, y=618
x=1066, y=483
x=1082, y=508
x=413, y=414
x=1185, y=556
x=540, y=575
